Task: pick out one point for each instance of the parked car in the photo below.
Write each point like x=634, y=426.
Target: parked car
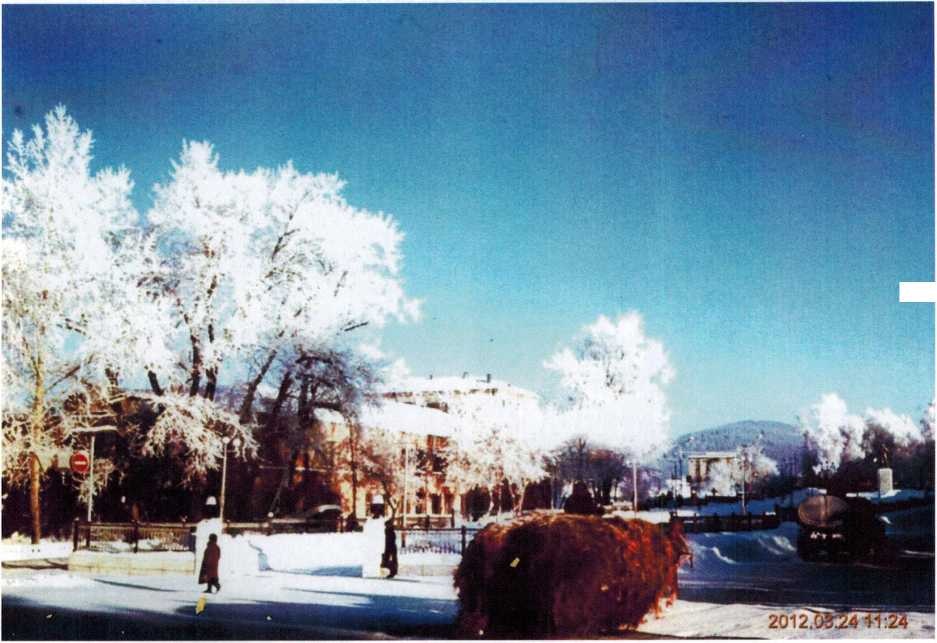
x=319, y=518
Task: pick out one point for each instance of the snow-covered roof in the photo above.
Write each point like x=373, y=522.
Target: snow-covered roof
x=451, y=384
x=409, y=418
x=399, y=417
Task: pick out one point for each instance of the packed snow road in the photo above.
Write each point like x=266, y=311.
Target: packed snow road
x=739, y=586
x=269, y=605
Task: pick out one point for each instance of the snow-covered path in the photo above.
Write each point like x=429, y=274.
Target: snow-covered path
x=265, y=605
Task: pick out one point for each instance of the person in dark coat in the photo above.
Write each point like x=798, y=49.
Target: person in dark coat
x=209, y=572
x=390, y=548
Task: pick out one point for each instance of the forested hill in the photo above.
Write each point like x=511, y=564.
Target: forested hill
x=780, y=440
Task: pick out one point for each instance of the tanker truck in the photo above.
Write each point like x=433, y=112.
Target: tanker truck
x=837, y=529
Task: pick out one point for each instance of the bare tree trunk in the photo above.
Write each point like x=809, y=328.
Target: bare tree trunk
x=196, y=366
x=284, y=482
x=35, y=478
x=112, y=380
x=212, y=372
x=284, y=390
x=37, y=427
x=248, y=402
x=154, y=383
x=212, y=375
x=519, y=503
x=286, y=479
x=304, y=403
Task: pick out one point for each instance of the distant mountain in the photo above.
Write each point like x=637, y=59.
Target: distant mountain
x=780, y=440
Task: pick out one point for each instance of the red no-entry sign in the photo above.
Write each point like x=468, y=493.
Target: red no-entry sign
x=78, y=463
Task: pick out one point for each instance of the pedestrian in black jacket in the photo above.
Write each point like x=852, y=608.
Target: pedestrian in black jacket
x=390, y=548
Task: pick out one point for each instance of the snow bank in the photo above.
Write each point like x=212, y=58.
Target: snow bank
x=716, y=552
x=301, y=553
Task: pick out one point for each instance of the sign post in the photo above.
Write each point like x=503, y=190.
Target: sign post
x=88, y=461
x=78, y=463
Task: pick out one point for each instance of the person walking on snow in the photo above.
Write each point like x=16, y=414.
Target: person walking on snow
x=209, y=572
x=390, y=548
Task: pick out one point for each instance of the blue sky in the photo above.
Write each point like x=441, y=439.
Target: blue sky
x=549, y=163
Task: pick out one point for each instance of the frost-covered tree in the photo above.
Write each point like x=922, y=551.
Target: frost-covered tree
x=381, y=457
x=266, y=262
x=749, y=467
x=268, y=274
x=755, y=465
x=62, y=223
x=832, y=432
x=838, y=436
x=340, y=381
x=722, y=479
x=496, y=444
x=614, y=378
x=576, y=459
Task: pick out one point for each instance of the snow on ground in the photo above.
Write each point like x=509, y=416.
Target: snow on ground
x=333, y=606
x=759, y=506
x=22, y=549
x=290, y=552
x=742, y=581
x=311, y=588
x=319, y=554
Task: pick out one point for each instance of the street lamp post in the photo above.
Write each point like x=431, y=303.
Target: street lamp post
x=224, y=472
x=91, y=478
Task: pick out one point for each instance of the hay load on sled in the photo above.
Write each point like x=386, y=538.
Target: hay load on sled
x=569, y=575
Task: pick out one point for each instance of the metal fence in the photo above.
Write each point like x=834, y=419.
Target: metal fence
x=440, y=540
x=121, y=537
x=426, y=521
x=731, y=522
